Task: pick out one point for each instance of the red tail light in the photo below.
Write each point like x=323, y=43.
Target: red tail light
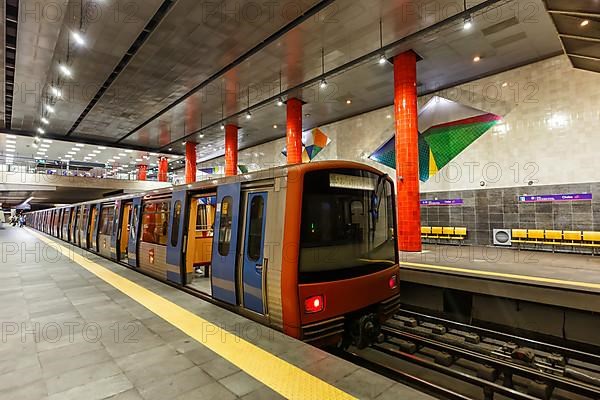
x=393, y=282
x=314, y=304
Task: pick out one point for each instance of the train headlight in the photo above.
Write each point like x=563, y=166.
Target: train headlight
x=314, y=304
x=393, y=282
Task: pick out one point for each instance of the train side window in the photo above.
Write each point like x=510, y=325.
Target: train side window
x=225, y=225
x=255, y=231
x=175, y=227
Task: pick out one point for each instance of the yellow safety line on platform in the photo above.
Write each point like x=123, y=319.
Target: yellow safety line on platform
x=540, y=279
x=279, y=375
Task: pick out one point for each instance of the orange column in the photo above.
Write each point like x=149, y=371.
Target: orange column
x=294, y=131
x=190, y=162
x=407, y=151
x=231, y=150
x=163, y=168
x=142, y=172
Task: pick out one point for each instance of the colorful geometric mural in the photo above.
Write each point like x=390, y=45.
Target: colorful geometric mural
x=313, y=142
x=446, y=128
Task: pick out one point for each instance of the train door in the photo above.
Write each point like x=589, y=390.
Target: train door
x=123, y=231
x=134, y=227
x=175, y=245
x=223, y=276
x=92, y=233
x=253, y=260
x=73, y=229
x=200, y=235
x=84, y=227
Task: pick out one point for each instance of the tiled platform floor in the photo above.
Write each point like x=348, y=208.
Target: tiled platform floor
x=67, y=334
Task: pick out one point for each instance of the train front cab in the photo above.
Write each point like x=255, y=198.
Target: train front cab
x=341, y=256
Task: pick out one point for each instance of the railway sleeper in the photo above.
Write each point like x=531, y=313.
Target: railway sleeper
x=404, y=345
x=436, y=329
x=468, y=336
x=440, y=357
x=540, y=389
x=482, y=371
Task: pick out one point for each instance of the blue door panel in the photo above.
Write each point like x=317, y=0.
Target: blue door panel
x=252, y=272
x=94, y=244
x=135, y=225
x=115, y=230
x=223, y=276
x=175, y=237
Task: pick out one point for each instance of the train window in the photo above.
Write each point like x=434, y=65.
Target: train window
x=107, y=217
x=155, y=222
x=225, y=225
x=134, y=224
x=175, y=227
x=347, y=225
x=255, y=231
x=205, y=215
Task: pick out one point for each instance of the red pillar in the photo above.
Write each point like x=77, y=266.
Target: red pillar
x=142, y=172
x=294, y=131
x=163, y=168
x=231, y=150
x=407, y=151
x=190, y=162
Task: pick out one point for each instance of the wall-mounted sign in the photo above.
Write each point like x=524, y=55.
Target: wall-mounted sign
x=556, y=197
x=449, y=202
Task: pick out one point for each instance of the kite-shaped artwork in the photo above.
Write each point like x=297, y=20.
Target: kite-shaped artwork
x=313, y=142
x=446, y=129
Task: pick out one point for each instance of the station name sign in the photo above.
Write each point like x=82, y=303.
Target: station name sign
x=556, y=197
x=449, y=202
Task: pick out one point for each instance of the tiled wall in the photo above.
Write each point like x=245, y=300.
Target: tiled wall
x=484, y=210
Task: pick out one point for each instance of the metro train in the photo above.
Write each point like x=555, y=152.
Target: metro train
x=307, y=249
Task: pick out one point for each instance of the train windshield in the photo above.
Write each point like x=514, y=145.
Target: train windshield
x=347, y=225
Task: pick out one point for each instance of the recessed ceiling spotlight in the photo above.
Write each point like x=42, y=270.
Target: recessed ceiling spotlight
x=248, y=115
x=49, y=108
x=382, y=59
x=45, y=121
x=222, y=126
x=389, y=116
x=128, y=151
x=476, y=59
x=468, y=24
x=76, y=149
x=584, y=22
x=348, y=101
x=79, y=144
x=47, y=146
x=279, y=102
x=78, y=38
x=170, y=149
x=117, y=158
x=101, y=148
x=66, y=71
x=323, y=84
x=505, y=84
x=274, y=126
x=72, y=152
x=47, y=141
x=96, y=151
x=201, y=135
x=41, y=131
x=183, y=143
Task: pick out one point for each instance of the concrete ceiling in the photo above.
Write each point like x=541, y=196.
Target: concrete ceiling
x=154, y=73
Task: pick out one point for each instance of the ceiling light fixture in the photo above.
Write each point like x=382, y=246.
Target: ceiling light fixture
x=585, y=22
x=41, y=131
x=382, y=59
x=101, y=148
x=348, y=101
x=45, y=121
x=222, y=127
x=274, y=126
x=128, y=151
x=47, y=141
x=78, y=38
x=11, y=141
x=323, y=84
x=201, y=135
x=468, y=22
x=66, y=71
x=477, y=59
x=248, y=115
x=56, y=91
x=279, y=102
x=11, y=136
x=49, y=108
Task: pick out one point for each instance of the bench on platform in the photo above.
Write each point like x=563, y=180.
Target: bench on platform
x=444, y=233
x=553, y=237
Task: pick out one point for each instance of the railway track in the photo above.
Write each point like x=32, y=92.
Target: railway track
x=496, y=364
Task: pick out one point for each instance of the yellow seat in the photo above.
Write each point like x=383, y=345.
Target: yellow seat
x=460, y=231
x=448, y=230
x=425, y=230
x=436, y=230
x=519, y=234
x=535, y=234
x=553, y=235
x=591, y=236
x=572, y=235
